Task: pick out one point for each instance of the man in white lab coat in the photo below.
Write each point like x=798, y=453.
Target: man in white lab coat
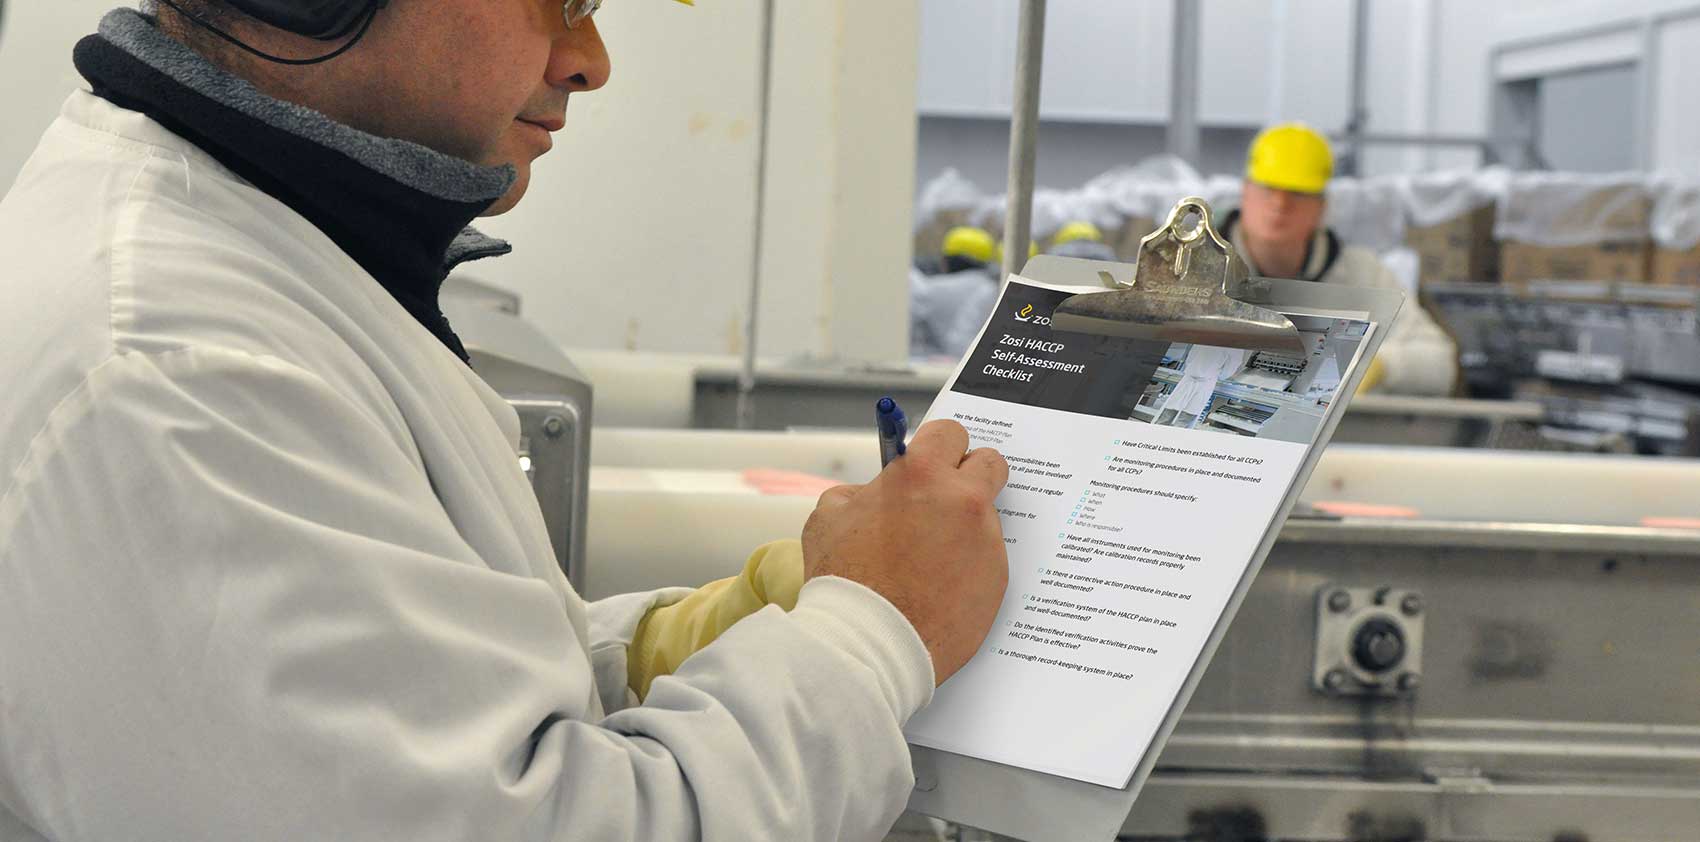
x=269, y=568
x=1205, y=366
x=1278, y=231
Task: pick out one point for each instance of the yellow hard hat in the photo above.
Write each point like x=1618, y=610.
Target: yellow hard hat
x=1077, y=230
x=970, y=242
x=1290, y=156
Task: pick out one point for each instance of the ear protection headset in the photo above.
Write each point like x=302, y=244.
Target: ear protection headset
x=323, y=20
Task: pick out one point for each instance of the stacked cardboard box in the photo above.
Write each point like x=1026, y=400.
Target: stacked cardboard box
x=1521, y=263
x=1675, y=268
x=1459, y=250
x=1622, y=261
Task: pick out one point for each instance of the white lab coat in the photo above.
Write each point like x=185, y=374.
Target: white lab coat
x=947, y=311
x=1204, y=367
x=269, y=568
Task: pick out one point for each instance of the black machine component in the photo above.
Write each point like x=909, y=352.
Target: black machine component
x=1617, y=366
x=1240, y=416
x=1368, y=641
x=1281, y=364
x=1378, y=645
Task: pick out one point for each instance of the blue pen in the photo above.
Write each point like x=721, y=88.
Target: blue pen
x=893, y=427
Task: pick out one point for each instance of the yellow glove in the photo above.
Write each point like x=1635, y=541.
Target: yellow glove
x=1373, y=377
x=668, y=635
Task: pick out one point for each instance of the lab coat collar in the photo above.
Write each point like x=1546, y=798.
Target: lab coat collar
x=399, y=209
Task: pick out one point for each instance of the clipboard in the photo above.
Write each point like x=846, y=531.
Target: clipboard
x=1187, y=285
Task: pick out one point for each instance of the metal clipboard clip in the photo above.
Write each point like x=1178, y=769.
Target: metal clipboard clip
x=1185, y=287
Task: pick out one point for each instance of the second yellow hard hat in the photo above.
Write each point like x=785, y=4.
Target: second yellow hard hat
x=1077, y=230
x=1290, y=156
x=972, y=243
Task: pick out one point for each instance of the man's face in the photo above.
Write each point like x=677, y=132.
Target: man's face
x=1279, y=215
x=483, y=80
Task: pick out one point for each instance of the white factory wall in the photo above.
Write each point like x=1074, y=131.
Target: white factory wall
x=1676, y=134
x=841, y=171
x=650, y=199
x=1429, y=72
x=1105, y=89
x=1628, y=38
x=35, y=70
x=638, y=230
x=1587, y=119
x=1070, y=152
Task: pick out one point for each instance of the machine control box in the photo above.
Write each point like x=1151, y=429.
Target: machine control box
x=1369, y=641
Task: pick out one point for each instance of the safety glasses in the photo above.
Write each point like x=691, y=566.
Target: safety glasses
x=576, y=11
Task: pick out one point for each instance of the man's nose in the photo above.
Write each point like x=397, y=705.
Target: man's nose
x=578, y=61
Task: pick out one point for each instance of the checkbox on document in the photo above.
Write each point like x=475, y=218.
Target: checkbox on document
x=1071, y=520
x=1117, y=441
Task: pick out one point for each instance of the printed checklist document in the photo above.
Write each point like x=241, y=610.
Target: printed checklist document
x=1143, y=477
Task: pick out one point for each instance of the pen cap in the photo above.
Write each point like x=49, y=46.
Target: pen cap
x=888, y=416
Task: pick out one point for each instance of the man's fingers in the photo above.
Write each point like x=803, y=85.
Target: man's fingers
x=987, y=466
x=942, y=442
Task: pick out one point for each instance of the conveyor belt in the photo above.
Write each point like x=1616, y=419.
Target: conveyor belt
x=1557, y=693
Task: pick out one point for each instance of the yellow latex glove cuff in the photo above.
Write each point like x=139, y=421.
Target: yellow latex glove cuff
x=1373, y=377
x=668, y=635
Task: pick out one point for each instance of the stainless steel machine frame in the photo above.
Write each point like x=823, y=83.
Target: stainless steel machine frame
x=554, y=449
x=1560, y=697
x=553, y=401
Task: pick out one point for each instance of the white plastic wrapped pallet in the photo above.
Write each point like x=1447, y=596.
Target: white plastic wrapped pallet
x=1438, y=197
x=949, y=190
x=1366, y=212
x=1147, y=189
x=1574, y=209
x=1675, y=221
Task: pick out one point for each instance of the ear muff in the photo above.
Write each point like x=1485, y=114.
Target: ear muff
x=326, y=20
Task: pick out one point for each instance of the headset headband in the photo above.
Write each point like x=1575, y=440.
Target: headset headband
x=326, y=20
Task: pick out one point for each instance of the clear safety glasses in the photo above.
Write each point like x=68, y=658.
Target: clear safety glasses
x=576, y=11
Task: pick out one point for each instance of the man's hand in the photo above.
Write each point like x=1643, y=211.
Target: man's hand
x=925, y=536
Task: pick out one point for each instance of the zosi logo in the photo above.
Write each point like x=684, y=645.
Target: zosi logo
x=1025, y=314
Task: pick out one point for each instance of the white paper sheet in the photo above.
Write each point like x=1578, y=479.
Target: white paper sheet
x=1125, y=538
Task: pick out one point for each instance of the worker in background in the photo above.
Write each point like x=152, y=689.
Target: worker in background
x=947, y=309
x=269, y=568
x=965, y=247
x=1080, y=239
x=1278, y=231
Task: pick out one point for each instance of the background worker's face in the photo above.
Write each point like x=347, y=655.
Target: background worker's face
x=483, y=80
x=1283, y=216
